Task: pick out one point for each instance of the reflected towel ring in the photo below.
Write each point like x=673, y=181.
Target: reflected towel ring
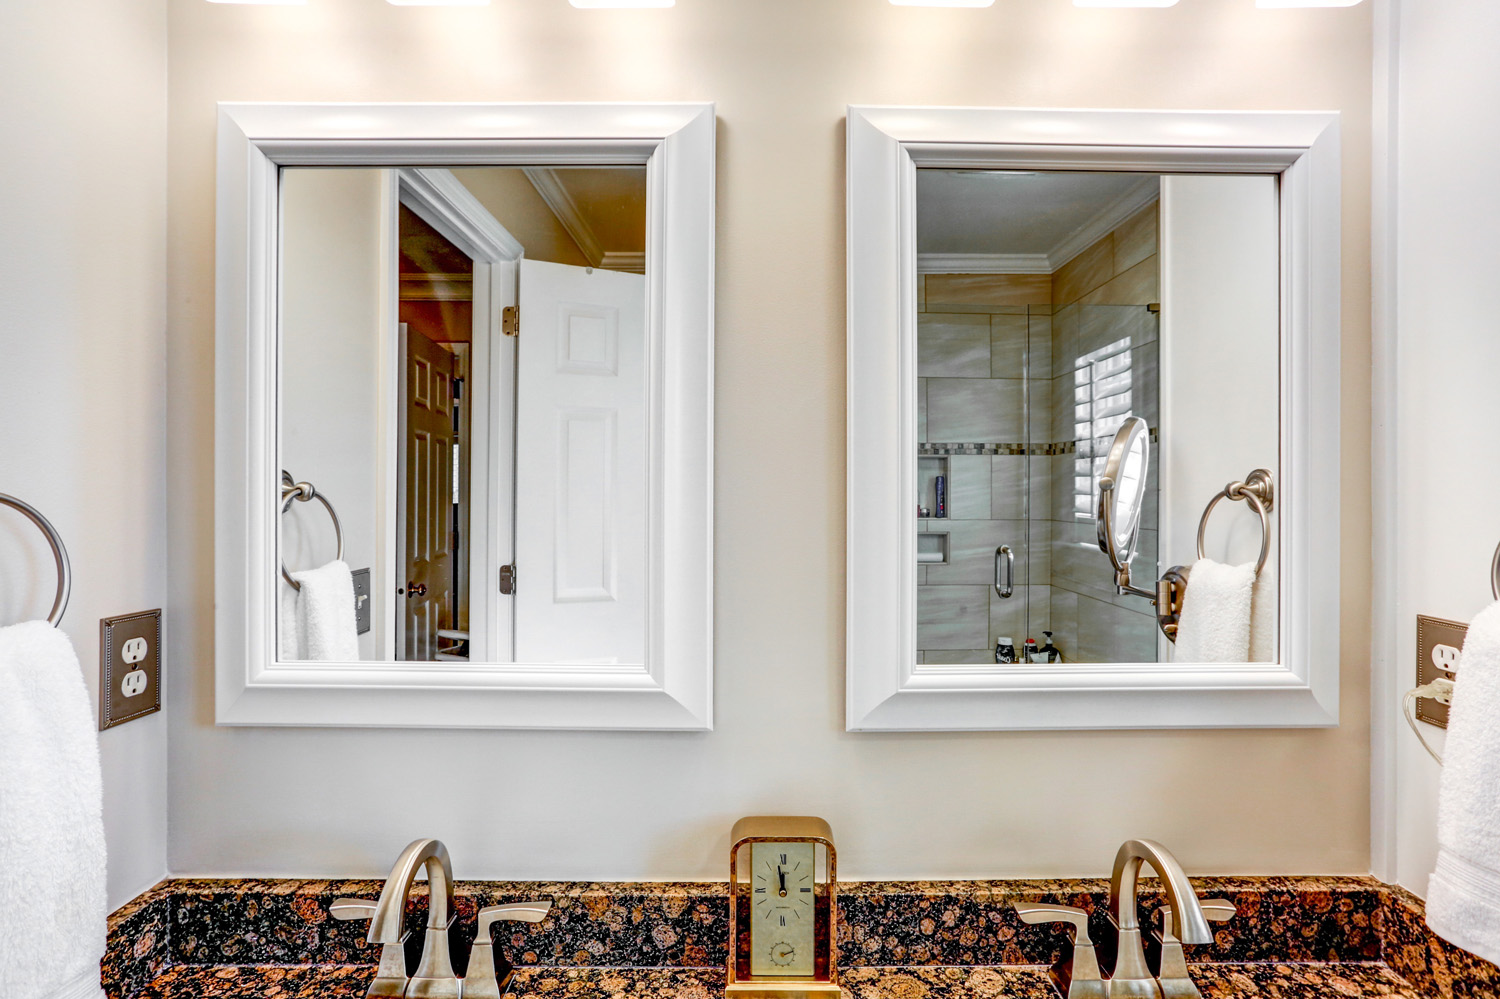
x=59, y=553
x=1258, y=491
x=302, y=492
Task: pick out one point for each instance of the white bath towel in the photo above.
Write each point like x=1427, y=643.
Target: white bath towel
x=317, y=622
x=1215, y=625
x=52, y=888
x=1463, y=897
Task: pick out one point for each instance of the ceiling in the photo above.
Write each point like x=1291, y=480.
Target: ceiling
x=998, y=212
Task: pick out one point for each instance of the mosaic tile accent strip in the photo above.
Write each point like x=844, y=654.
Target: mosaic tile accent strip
x=934, y=449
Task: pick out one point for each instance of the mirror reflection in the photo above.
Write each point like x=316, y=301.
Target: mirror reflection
x=1057, y=311
x=462, y=414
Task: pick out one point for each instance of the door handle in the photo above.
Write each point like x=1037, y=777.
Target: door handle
x=415, y=589
x=1005, y=582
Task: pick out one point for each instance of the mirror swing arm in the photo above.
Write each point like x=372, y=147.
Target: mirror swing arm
x=1257, y=489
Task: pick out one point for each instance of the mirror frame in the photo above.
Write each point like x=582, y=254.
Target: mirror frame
x=885, y=687
x=673, y=689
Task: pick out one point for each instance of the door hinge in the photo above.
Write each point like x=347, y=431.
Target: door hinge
x=510, y=320
x=508, y=579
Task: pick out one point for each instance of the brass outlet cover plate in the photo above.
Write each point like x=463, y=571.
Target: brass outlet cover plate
x=129, y=667
x=1432, y=632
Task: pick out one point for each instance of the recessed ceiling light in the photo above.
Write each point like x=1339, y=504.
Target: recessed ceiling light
x=620, y=4
x=943, y=3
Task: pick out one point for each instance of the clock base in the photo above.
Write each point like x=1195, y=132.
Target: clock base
x=781, y=988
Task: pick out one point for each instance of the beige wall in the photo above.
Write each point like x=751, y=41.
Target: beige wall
x=83, y=354
x=581, y=805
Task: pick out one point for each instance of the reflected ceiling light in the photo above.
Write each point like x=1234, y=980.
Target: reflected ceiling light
x=1124, y=3
x=620, y=4
x=943, y=3
x=1305, y=3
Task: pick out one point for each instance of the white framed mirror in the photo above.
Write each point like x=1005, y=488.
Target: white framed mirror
x=1025, y=286
x=480, y=337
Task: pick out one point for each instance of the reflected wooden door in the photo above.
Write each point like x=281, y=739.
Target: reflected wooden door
x=425, y=591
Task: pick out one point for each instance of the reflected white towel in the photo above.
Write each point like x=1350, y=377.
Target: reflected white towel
x=52, y=888
x=1463, y=897
x=1215, y=625
x=317, y=622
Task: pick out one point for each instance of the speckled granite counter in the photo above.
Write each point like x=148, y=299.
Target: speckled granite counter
x=1292, y=938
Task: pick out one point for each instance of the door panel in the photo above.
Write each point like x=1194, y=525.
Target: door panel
x=427, y=603
x=580, y=466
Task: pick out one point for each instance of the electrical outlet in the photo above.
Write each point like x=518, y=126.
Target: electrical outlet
x=1439, y=644
x=129, y=667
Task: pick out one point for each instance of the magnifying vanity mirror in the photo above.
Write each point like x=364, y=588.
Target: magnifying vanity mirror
x=1122, y=495
x=465, y=416
x=1071, y=334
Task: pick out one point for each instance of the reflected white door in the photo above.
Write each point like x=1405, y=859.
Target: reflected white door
x=580, y=466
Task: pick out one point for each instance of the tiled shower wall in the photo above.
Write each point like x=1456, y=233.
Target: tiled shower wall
x=975, y=334
x=978, y=336
x=1101, y=297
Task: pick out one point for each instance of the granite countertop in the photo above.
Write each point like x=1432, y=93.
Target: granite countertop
x=275, y=939
x=1216, y=981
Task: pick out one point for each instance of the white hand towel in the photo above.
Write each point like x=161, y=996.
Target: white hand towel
x=317, y=622
x=1463, y=897
x=52, y=887
x=1215, y=625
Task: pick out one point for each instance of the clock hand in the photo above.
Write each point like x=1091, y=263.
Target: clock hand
x=781, y=876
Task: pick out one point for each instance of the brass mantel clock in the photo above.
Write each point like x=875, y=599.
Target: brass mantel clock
x=784, y=920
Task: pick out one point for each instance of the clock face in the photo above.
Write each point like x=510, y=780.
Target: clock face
x=782, y=890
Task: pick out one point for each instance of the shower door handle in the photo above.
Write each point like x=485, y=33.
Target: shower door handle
x=1005, y=582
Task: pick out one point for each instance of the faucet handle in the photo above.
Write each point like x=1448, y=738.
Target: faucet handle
x=1171, y=960
x=1080, y=978
x=1215, y=910
x=482, y=980
x=390, y=978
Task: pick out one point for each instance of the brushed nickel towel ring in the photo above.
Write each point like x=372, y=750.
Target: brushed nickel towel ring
x=1495, y=573
x=303, y=492
x=1258, y=491
x=59, y=553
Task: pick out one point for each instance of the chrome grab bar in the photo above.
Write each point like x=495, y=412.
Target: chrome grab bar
x=1008, y=557
x=303, y=492
x=59, y=555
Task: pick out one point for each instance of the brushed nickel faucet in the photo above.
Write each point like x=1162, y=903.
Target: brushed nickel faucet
x=434, y=978
x=1130, y=977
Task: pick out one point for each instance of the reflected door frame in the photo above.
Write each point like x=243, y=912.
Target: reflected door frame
x=442, y=201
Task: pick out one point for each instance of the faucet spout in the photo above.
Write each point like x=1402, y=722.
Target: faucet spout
x=1131, y=977
x=435, y=978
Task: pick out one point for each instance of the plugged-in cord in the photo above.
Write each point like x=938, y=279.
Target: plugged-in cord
x=1440, y=690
